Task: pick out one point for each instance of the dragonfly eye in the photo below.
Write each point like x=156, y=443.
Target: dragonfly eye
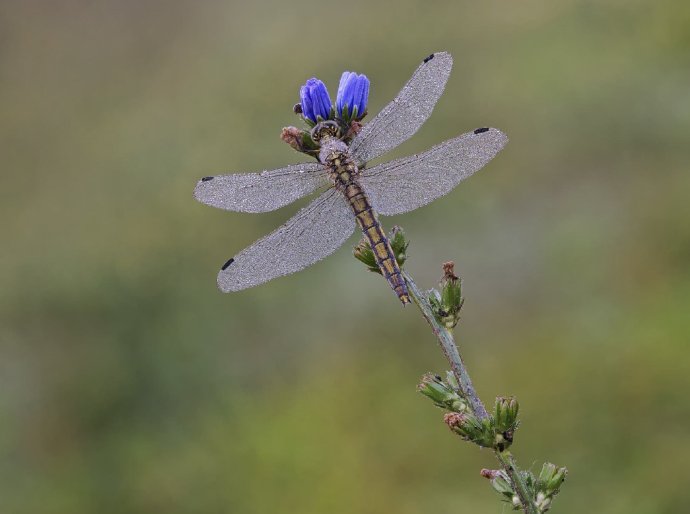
x=325, y=130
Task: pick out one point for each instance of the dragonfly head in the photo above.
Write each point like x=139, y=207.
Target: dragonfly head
x=325, y=130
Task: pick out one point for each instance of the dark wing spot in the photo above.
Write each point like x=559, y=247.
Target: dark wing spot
x=427, y=59
x=206, y=179
x=480, y=130
x=225, y=266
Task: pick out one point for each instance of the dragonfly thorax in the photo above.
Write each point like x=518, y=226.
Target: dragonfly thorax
x=333, y=151
x=335, y=155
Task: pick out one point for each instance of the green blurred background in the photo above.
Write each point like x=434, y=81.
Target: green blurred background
x=129, y=384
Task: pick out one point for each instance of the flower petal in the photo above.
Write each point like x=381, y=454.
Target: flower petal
x=353, y=93
x=341, y=91
x=362, y=96
x=315, y=100
x=305, y=102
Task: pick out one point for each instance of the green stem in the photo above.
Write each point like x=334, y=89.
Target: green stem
x=450, y=350
x=519, y=486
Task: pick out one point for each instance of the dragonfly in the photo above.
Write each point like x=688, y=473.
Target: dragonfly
x=351, y=193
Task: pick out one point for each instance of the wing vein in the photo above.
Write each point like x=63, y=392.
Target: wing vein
x=402, y=117
x=408, y=183
x=261, y=192
x=313, y=233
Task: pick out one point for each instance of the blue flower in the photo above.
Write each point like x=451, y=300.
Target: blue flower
x=353, y=93
x=315, y=100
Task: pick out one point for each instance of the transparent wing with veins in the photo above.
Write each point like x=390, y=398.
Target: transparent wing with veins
x=401, y=118
x=408, y=183
x=310, y=235
x=261, y=192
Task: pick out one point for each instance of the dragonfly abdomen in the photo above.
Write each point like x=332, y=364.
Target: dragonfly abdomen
x=371, y=227
x=344, y=175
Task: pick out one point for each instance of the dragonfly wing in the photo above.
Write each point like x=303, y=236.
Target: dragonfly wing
x=405, y=184
x=261, y=192
x=312, y=234
x=401, y=118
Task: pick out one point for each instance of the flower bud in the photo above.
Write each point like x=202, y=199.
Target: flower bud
x=547, y=485
x=352, y=97
x=365, y=254
x=471, y=428
x=315, y=103
x=399, y=244
x=551, y=478
x=505, y=421
x=505, y=412
x=500, y=482
x=300, y=140
x=396, y=237
x=441, y=394
x=448, y=302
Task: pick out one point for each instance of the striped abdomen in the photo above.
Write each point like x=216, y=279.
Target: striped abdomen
x=343, y=173
x=368, y=222
x=334, y=154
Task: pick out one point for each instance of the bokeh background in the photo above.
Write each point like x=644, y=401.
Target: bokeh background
x=129, y=384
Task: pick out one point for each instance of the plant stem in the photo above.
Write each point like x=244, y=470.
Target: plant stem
x=508, y=464
x=450, y=350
